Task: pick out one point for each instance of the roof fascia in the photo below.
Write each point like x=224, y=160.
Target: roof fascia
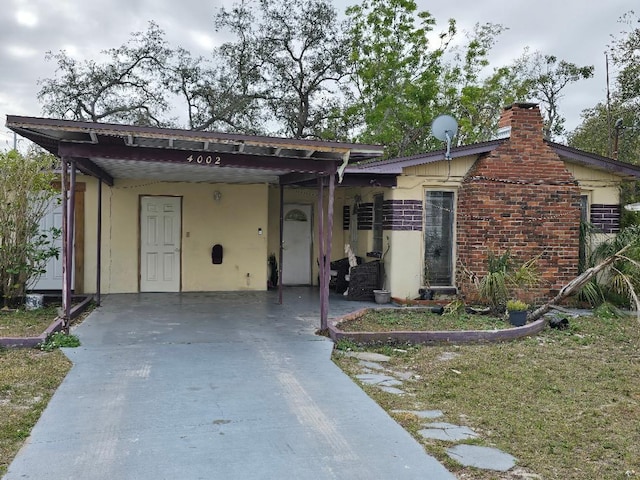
x=26, y=126
x=396, y=165
x=214, y=160
x=593, y=160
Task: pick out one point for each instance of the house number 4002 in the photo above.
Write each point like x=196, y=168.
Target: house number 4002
x=208, y=160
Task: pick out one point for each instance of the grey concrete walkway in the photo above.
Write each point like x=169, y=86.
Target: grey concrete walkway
x=214, y=386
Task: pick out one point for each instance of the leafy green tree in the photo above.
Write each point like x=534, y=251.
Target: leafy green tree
x=292, y=68
x=294, y=57
x=619, y=118
x=624, y=50
x=598, y=134
x=279, y=74
x=128, y=87
x=613, y=129
x=473, y=97
x=26, y=195
x=547, y=78
x=395, y=76
x=621, y=282
x=218, y=93
x=401, y=81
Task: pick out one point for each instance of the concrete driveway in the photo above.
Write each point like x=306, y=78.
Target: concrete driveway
x=214, y=386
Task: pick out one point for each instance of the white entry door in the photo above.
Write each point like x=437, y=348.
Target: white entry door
x=52, y=278
x=160, y=227
x=296, y=235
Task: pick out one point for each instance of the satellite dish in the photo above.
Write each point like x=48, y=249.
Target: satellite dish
x=445, y=127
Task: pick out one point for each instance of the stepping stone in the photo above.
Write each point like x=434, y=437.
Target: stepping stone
x=447, y=432
x=448, y=356
x=403, y=375
x=422, y=413
x=368, y=356
x=393, y=390
x=378, y=379
x=370, y=365
x=487, y=458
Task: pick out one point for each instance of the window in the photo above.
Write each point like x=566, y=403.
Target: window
x=377, y=222
x=295, y=215
x=438, y=238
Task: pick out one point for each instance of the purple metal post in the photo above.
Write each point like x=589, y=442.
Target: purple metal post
x=327, y=259
x=65, y=240
x=99, y=244
x=280, y=251
x=321, y=253
x=70, y=230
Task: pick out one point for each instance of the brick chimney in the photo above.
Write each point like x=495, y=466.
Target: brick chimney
x=523, y=119
x=520, y=198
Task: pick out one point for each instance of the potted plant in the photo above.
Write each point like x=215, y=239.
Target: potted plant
x=517, y=311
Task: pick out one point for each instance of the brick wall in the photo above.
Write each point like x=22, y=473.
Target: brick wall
x=402, y=215
x=605, y=218
x=521, y=198
x=346, y=217
x=365, y=216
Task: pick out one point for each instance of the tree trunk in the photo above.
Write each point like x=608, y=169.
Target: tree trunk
x=574, y=285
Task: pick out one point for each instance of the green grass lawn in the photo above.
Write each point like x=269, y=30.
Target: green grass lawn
x=28, y=379
x=411, y=319
x=566, y=403
x=24, y=323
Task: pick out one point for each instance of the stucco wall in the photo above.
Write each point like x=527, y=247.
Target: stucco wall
x=243, y=209
x=233, y=221
x=602, y=187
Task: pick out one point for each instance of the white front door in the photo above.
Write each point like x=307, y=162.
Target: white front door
x=52, y=278
x=160, y=230
x=296, y=235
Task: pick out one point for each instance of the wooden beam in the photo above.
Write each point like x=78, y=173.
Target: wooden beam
x=188, y=157
x=298, y=178
x=87, y=167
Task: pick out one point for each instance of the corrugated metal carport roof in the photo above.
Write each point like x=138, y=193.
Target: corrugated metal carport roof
x=129, y=151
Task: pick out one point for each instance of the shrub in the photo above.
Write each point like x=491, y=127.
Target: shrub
x=58, y=340
x=26, y=195
x=516, y=306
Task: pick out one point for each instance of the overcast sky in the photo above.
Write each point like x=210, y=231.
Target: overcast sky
x=574, y=30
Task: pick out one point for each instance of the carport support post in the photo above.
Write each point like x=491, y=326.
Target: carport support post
x=323, y=313
x=68, y=185
x=99, y=243
x=327, y=259
x=65, y=228
x=69, y=239
x=280, y=251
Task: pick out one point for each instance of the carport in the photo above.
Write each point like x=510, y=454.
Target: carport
x=110, y=152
